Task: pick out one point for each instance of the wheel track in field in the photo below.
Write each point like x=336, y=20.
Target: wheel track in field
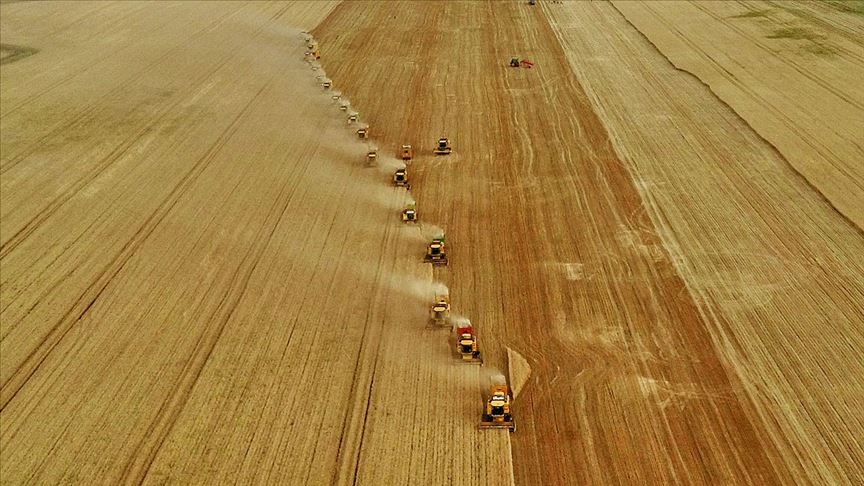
x=117, y=153
x=22, y=374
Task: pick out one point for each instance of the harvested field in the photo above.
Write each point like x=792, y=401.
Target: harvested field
x=792, y=70
x=655, y=231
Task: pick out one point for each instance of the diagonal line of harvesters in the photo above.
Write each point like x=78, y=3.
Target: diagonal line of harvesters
x=497, y=410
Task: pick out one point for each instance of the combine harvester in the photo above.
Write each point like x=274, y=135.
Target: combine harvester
x=497, y=414
x=443, y=147
x=409, y=214
x=440, y=311
x=436, y=254
x=525, y=63
x=400, y=177
x=466, y=344
x=407, y=153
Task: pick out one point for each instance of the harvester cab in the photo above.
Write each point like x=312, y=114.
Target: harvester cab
x=353, y=117
x=327, y=83
x=407, y=152
x=497, y=413
x=466, y=344
x=400, y=177
x=435, y=253
x=363, y=132
x=371, y=157
x=441, y=311
x=443, y=147
x=409, y=214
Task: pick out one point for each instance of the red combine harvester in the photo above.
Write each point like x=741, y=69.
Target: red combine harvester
x=466, y=344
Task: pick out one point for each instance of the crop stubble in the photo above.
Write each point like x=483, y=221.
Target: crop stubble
x=202, y=283
x=674, y=286
x=198, y=270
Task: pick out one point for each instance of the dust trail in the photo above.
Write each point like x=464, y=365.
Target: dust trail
x=418, y=289
x=431, y=231
x=345, y=147
x=426, y=232
x=367, y=194
x=459, y=320
x=390, y=163
x=491, y=376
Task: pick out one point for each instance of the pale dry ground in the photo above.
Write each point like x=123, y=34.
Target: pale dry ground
x=792, y=70
x=689, y=305
x=777, y=273
x=201, y=282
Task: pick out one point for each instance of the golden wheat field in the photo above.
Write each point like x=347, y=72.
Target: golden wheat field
x=653, y=223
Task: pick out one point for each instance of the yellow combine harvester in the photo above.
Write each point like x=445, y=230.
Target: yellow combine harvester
x=466, y=344
x=407, y=152
x=436, y=254
x=409, y=214
x=441, y=311
x=497, y=414
x=400, y=177
x=443, y=147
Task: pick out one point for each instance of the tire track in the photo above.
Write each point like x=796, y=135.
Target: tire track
x=136, y=471
x=510, y=210
x=768, y=345
x=820, y=147
x=799, y=69
x=101, y=166
x=19, y=378
x=90, y=114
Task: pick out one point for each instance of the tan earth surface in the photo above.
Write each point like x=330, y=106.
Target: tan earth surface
x=656, y=232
